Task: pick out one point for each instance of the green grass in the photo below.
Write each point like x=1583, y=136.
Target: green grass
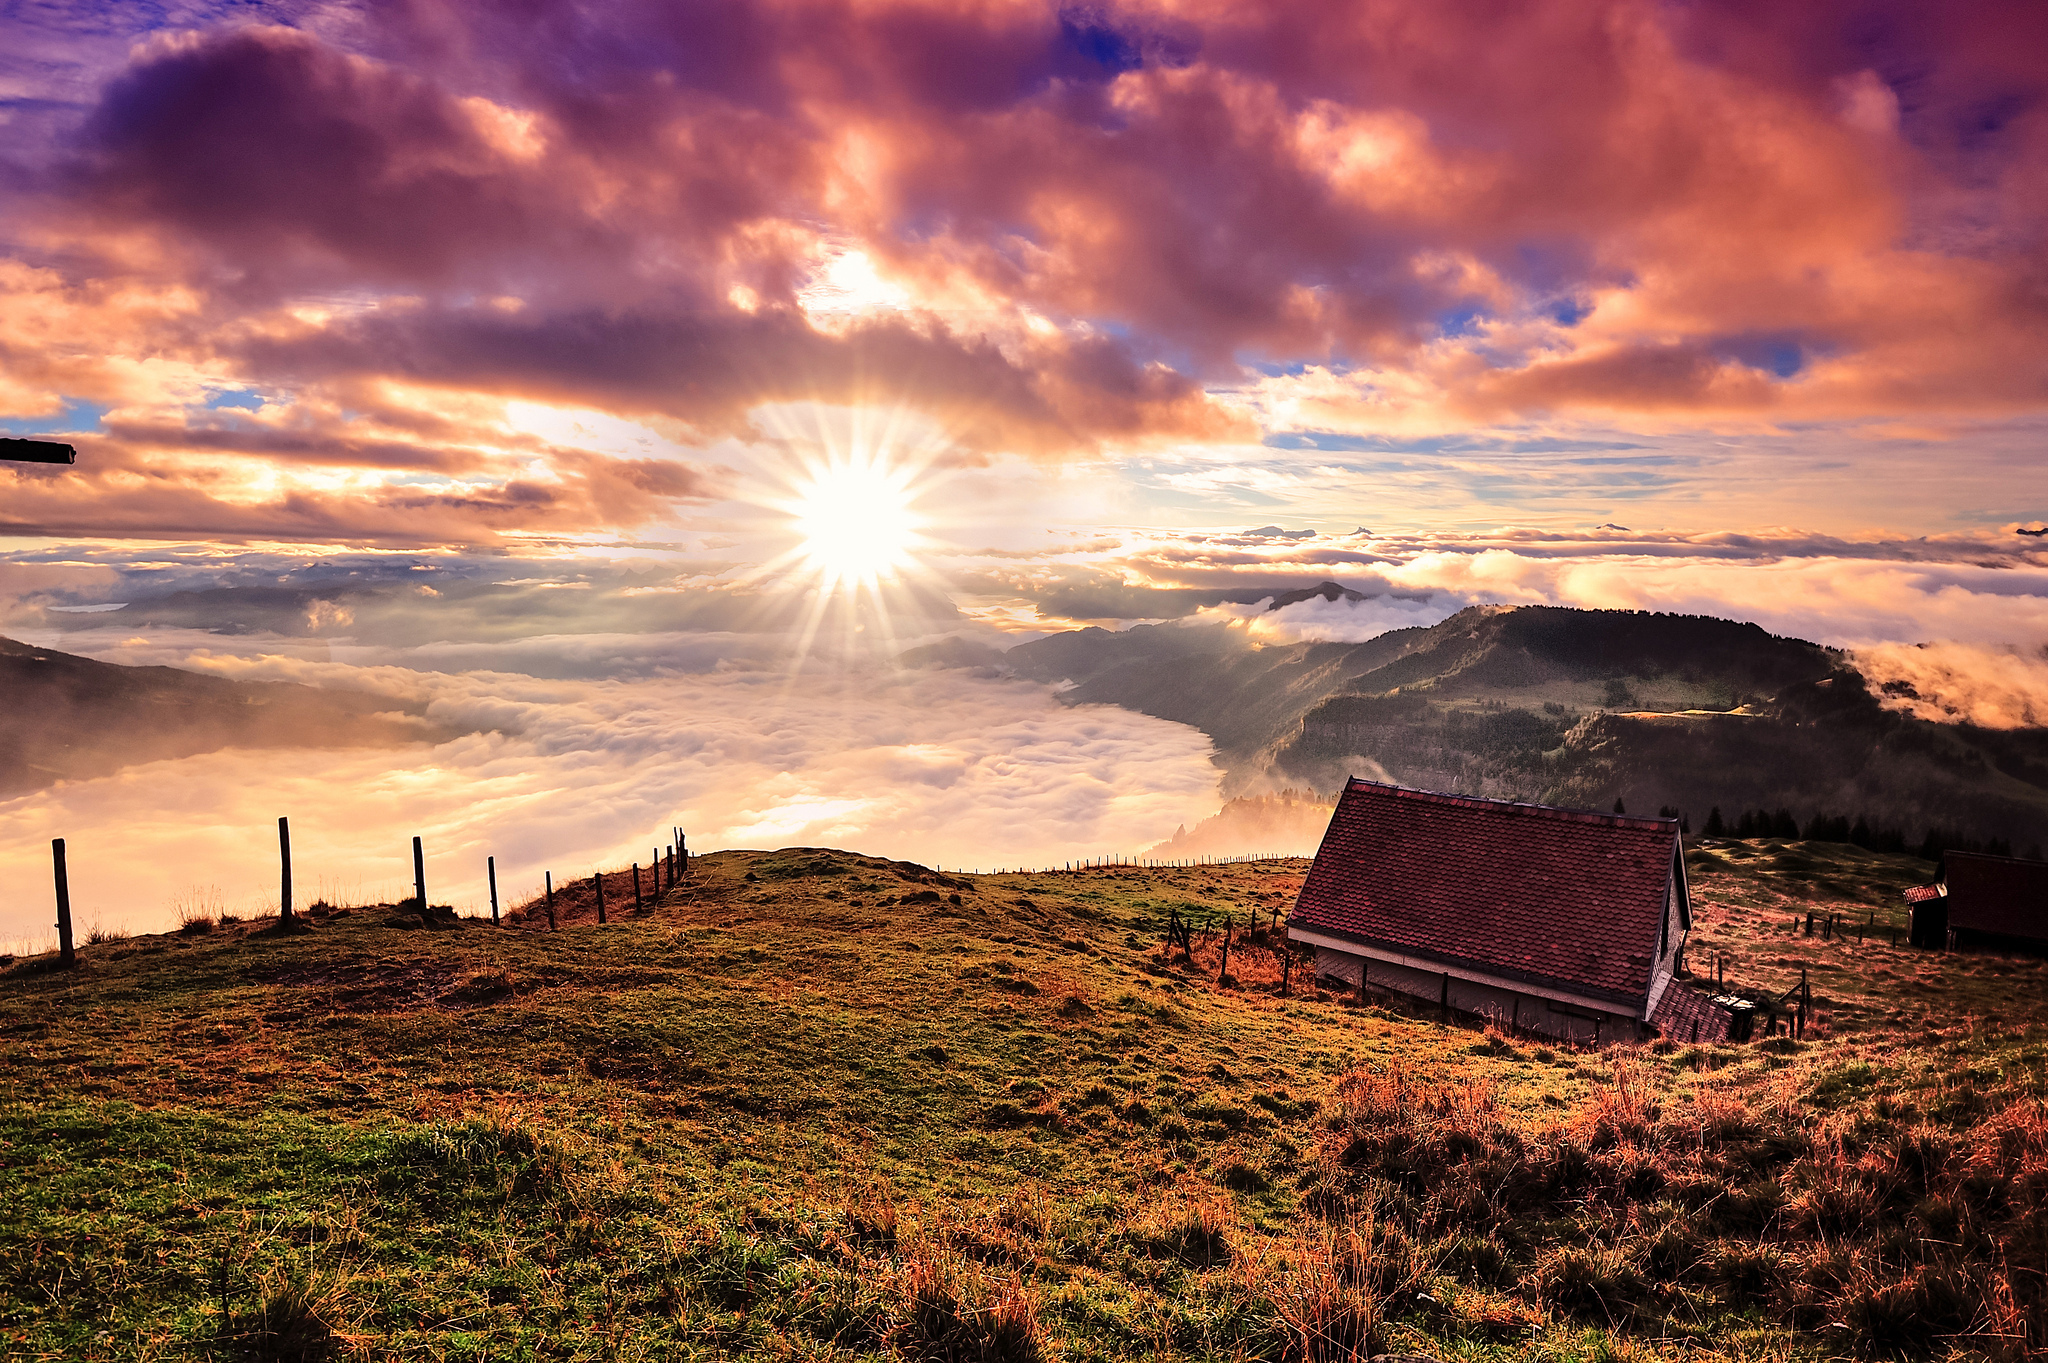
x=787, y=1112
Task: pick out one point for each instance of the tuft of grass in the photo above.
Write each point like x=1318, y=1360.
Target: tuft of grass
x=1319, y=1316
x=1194, y=1232
x=294, y=1321
x=949, y=1308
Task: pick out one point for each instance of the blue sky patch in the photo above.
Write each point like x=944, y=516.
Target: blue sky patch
x=1569, y=312
x=78, y=417
x=1461, y=321
x=1775, y=353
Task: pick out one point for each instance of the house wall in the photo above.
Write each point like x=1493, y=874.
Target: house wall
x=1930, y=924
x=1500, y=1002
x=1669, y=943
x=1969, y=939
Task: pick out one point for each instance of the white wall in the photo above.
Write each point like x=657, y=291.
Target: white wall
x=1501, y=1003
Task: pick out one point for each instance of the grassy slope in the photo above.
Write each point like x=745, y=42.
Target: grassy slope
x=795, y=1114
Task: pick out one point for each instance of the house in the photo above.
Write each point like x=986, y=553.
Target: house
x=1995, y=903
x=1561, y=921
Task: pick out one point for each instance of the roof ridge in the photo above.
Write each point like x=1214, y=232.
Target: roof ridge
x=1641, y=821
x=1991, y=856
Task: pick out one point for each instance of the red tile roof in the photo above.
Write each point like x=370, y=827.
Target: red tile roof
x=2003, y=895
x=1568, y=898
x=1688, y=1014
x=1920, y=894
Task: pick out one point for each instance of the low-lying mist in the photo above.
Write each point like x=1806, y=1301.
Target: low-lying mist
x=944, y=768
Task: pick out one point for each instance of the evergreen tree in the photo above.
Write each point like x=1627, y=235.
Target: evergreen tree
x=1860, y=834
x=1619, y=807
x=1745, y=827
x=1783, y=825
x=1715, y=828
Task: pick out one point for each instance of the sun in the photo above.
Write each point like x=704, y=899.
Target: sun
x=857, y=525
x=856, y=521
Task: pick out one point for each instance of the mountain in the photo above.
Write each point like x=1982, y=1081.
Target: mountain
x=70, y=718
x=1572, y=707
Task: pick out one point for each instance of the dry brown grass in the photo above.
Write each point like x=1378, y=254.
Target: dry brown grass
x=1894, y=1237
x=953, y=1309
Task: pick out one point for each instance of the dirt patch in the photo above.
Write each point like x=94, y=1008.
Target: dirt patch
x=480, y=990
x=370, y=987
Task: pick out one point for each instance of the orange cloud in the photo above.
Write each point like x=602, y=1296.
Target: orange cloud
x=1078, y=229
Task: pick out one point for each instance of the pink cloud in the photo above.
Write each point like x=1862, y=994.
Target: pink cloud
x=1089, y=219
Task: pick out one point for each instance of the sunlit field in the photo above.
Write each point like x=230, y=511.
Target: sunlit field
x=817, y=1105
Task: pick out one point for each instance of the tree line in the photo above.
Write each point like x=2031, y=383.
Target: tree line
x=1779, y=823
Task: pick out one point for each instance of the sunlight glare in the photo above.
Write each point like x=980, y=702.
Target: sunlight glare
x=856, y=521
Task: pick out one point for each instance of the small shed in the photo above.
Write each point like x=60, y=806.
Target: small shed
x=1562, y=921
x=1996, y=903
x=1928, y=905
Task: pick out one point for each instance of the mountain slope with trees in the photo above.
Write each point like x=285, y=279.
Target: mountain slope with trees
x=1572, y=707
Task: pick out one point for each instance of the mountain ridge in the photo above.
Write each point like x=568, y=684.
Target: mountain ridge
x=69, y=717
x=1564, y=706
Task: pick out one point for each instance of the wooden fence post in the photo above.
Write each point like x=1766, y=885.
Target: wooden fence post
x=548, y=879
x=597, y=879
x=491, y=869
x=66, y=955
x=284, y=856
x=637, y=901
x=1444, y=1001
x=419, y=876
x=1286, y=971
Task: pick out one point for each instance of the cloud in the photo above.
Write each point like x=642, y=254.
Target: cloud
x=1131, y=227
x=938, y=767
x=1320, y=620
x=1989, y=588
x=1954, y=683
x=138, y=490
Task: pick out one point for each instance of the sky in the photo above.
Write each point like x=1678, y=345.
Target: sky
x=689, y=360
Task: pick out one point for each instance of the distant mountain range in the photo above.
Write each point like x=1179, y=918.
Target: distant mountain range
x=67, y=717
x=1571, y=707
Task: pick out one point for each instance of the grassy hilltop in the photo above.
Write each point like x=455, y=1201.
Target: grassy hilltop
x=825, y=1106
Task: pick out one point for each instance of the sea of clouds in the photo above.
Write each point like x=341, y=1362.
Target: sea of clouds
x=944, y=768
x=604, y=701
